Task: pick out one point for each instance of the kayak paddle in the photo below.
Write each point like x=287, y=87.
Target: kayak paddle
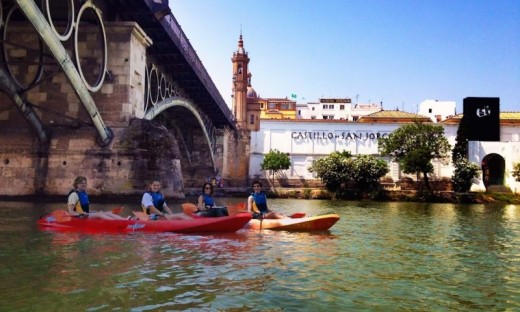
x=237, y=208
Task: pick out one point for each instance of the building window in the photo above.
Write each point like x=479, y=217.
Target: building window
x=251, y=119
x=299, y=112
x=313, y=117
x=313, y=108
x=342, y=107
x=429, y=110
x=271, y=105
x=262, y=106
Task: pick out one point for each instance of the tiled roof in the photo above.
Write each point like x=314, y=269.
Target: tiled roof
x=510, y=116
x=505, y=117
x=279, y=99
x=393, y=116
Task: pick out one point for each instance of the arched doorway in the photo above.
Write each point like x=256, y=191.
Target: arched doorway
x=493, y=168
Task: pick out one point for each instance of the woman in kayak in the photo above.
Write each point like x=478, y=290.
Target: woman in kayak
x=257, y=204
x=154, y=204
x=78, y=203
x=206, y=204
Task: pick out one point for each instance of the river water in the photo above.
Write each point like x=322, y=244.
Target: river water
x=378, y=257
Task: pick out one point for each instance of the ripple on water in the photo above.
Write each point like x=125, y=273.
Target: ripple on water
x=379, y=256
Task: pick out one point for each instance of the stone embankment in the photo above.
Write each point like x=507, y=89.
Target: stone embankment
x=384, y=195
x=306, y=193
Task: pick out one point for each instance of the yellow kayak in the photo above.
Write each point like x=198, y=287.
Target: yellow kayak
x=305, y=224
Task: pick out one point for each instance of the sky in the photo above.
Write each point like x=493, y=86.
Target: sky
x=398, y=52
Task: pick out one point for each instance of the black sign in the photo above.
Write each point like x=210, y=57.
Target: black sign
x=344, y=135
x=483, y=118
x=335, y=100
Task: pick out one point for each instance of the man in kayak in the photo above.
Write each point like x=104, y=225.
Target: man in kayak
x=206, y=204
x=154, y=204
x=257, y=204
x=79, y=205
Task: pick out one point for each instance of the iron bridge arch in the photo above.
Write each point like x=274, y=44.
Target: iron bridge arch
x=205, y=123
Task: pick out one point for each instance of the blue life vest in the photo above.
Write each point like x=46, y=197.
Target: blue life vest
x=208, y=200
x=158, y=201
x=83, y=201
x=260, y=201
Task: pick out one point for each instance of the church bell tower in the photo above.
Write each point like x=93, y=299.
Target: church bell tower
x=240, y=82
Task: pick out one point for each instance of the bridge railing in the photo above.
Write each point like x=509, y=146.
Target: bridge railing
x=187, y=50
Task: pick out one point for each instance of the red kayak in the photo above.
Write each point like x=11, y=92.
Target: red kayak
x=200, y=225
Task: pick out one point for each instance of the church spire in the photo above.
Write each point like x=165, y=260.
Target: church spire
x=241, y=79
x=241, y=49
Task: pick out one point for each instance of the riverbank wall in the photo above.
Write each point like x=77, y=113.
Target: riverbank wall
x=382, y=195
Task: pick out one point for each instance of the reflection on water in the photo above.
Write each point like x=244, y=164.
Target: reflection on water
x=379, y=256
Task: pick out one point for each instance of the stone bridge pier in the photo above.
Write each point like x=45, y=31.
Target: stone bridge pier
x=112, y=91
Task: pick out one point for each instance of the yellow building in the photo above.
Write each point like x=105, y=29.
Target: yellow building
x=273, y=108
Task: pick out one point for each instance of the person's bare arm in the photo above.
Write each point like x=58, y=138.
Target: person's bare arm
x=200, y=203
x=250, y=204
x=167, y=209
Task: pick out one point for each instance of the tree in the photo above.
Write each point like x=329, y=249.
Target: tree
x=464, y=173
x=460, y=150
x=367, y=170
x=333, y=170
x=275, y=162
x=516, y=172
x=338, y=168
x=414, y=146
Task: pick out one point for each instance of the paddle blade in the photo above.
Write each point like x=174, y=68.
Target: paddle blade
x=118, y=210
x=297, y=215
x=237, y=208
x=61, y=216
x=189, y=208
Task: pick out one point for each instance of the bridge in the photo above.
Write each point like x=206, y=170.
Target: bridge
x=112, y=90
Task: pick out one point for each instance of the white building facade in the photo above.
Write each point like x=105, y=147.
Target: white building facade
x=308, y=140
x=327, y=109
x=335, y=109
x=437, y=110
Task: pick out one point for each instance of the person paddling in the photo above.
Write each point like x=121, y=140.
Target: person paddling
x=206, y=203
x=257, y=204
x=154, y=204
x=78, y=203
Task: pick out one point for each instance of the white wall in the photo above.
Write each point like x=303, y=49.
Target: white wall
x=434, y=108
x=307, y=141
x=316, y=110
x=509, y=150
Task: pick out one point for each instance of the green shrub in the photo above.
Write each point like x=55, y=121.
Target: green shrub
x=464, y=173
x=516, y=172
